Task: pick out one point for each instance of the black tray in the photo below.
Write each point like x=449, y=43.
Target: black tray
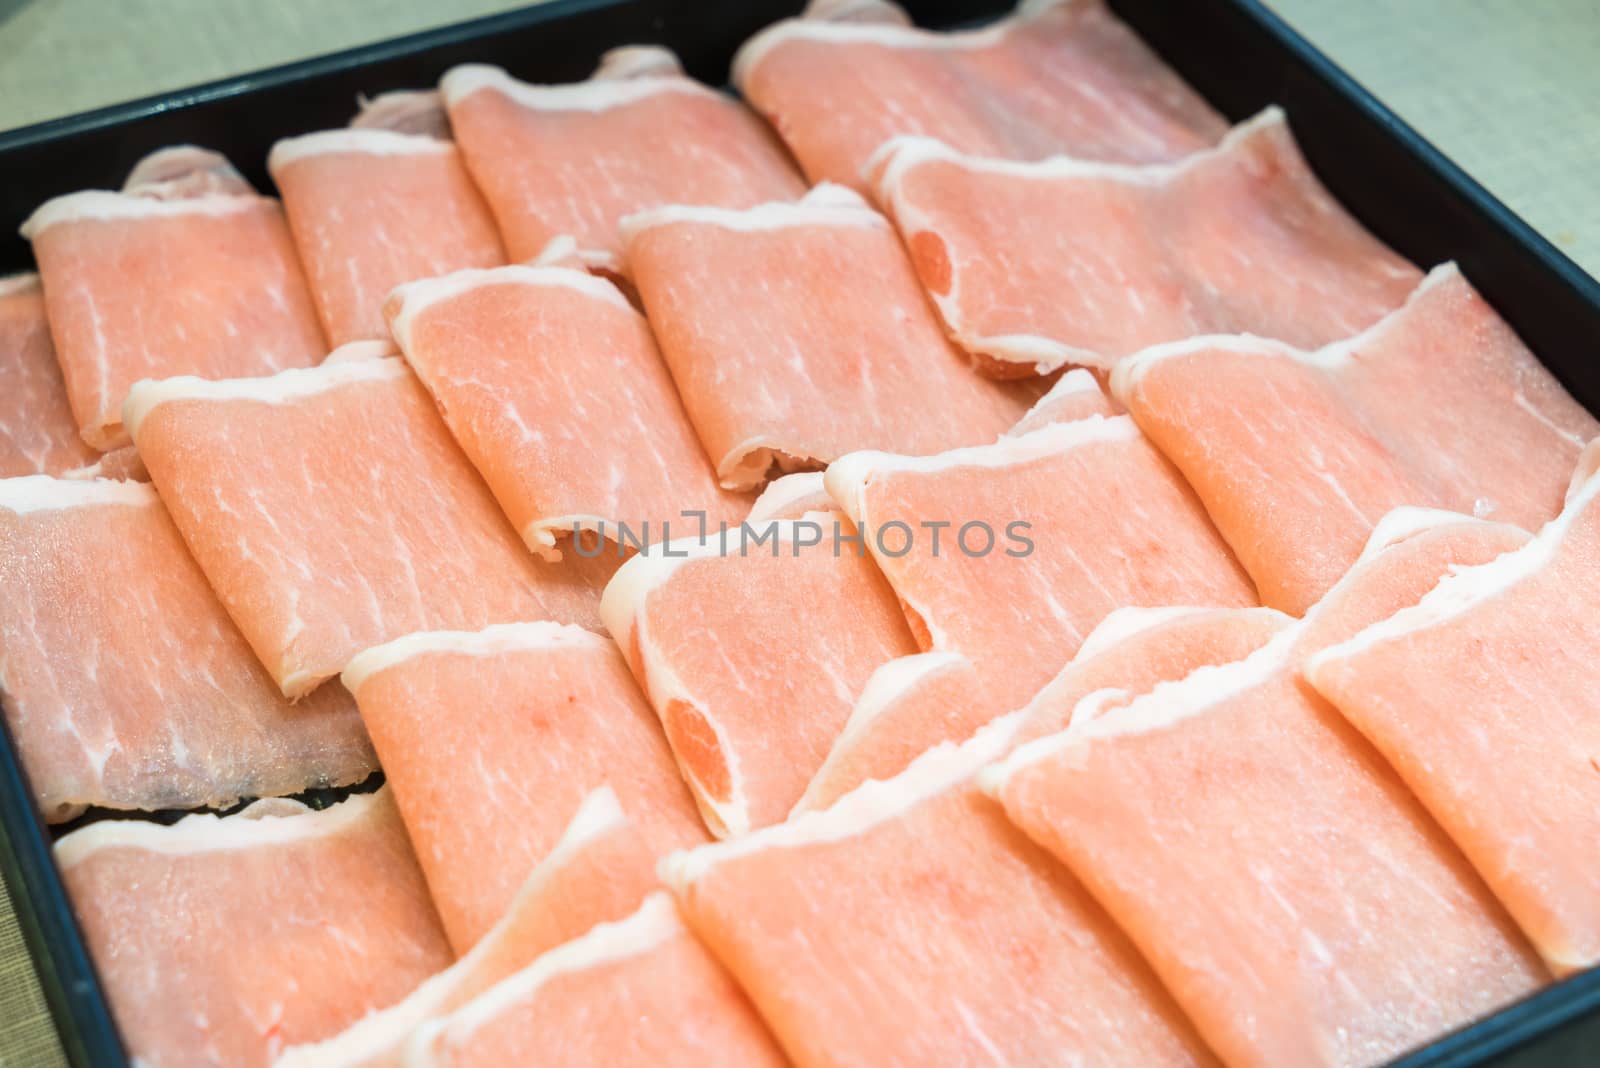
x=1235, y=52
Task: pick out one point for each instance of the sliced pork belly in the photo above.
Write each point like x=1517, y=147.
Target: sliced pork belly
x=1258, y=851
x=796, y=333
x=1042, y=536
x=908, y=706
x=1335, y=438
x=222, y=941
x=600, y=871
x=138, y=286
x=1135, y=649
x=553, y=385
x=418, y=112
x=752, y=648
x=124, y=682
x=1482, y=697
x=911, y=924
x=1055, y=77
x=1238, y=239
x=331, y=511
x=38, y=434
x=372, y=208
x=1075, y=395
x=640, y=992
x=181, y=171
x=496, y=737
x=573, y=159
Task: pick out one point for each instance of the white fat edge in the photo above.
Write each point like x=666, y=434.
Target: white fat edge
x=557, y=252
x=846, y=477
x=368, y=349
x=744, y=466
x=887, y=34
x=638, y=60
x=1403, y=522
x=416, y=297
x=787, y=491
x=1340, y=352
x=26, y=494
x=281, y=388
x=1463, y=589
x=890, y=682
x=26, y=282
x=1077, y=380
x=384, y=1030
x=102, y=205
x=367, y=141
x=268, y=822
x=824, y=205
x=493, y=640
x=1167, y=705
x=1125, y=623
x=655, y=923
x=541, y=535
x=622, y=610
x=594, y=95
x=876, y=801
x=1588, y=466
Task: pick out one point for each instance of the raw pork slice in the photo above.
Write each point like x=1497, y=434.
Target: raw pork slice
x=418, y=112
x=124, y=682
x=1292, y=895
x=1055, y=77
x=221, y=941
x=331, y=511
x=910, y=924
x=496, y=737
x=752, y=647
x=1483, y=697
x=797, y=333
x=38, y=435
x=791, y=497
x=908, y=706
x=553, y=385
x=1298, y=454
x=1009, y=554
x=138, y=287
x=1135, y=649
x=1036, y=265
x=599, y=872
x=372, y=208
x=1075, y=395
x=637, y=993
x=181, y=171
x=573, y=159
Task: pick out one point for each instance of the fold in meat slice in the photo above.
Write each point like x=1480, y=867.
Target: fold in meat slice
x=1238, y=239
x=911, y=924
x=752, y=647
x=181, y=171
x=791, y=497
x=1483, y=697
x=142, y=287
x=331, y=511
x=797, y=333
x=1055, y=77
x=124, y=683
x=1259, y=852
x=908, y=706
x=496, y=737
x=573, y=159
x=224, y=940
x=1298, y=454
x=38, y=435
x=372, y=208
x=599, y=872
x=418, y=112
x=1075, y=395
x=513, y=357
x=1009, y=554
x=640, y=992
x=1135, y=649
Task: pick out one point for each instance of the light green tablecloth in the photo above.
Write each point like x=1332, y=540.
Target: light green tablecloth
x=1509, y=88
